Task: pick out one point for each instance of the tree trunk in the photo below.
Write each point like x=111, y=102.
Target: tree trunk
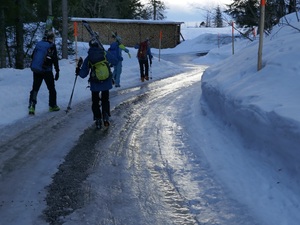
x=19, y=35
x=2, y=39
x=64, y=29
x=292, y=6
x=50, y=8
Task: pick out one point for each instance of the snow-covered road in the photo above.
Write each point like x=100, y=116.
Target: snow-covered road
x=147, y=168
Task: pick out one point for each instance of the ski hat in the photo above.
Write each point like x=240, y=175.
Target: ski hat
x=50, y=35
x=117, y=37
x=93, y=43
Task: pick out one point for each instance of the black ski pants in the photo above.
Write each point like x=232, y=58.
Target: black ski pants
x=37, y=82
x=105, y=104
x=144, y=67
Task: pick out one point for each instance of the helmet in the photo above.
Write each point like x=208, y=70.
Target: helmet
x=93, y=43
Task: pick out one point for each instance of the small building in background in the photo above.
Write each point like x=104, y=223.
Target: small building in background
x=131, y=31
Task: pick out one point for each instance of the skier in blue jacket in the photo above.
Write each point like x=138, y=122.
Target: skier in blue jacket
x=116, y=49
x=96, y=54
x=45, y=72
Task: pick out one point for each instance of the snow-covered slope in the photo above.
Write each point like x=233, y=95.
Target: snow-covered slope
x=263, y=106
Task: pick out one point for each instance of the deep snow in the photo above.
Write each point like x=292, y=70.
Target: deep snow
x=260, y=106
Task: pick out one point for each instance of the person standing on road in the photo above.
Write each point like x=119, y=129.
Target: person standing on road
x=143, y=54
x=44, y=56
x=116, y=49
x=97, y=54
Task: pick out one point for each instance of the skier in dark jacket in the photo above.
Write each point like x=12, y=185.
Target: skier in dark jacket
x=96, y=54
x=45, y=74
x=144, y=52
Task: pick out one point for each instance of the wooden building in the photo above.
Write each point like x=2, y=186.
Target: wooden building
x=131, y=31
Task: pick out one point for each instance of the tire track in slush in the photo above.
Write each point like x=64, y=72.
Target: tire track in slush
x=161, y=149
x=154, y=178
x=65, y=194
x=174, y=208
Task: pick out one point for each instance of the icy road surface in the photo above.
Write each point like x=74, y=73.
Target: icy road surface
x=146, y=169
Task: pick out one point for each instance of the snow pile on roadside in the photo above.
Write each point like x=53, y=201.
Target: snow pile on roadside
x=263, y=106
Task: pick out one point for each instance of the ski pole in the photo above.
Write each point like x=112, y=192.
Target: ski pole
x=151, y=71
x=150, y=68
x=71, y=97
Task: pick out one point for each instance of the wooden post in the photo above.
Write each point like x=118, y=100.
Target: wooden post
x=159, y=44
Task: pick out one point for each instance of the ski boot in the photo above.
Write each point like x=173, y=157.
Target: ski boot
x=31, y=110
x=54, y=108
x=106, y=120
x=98, y=124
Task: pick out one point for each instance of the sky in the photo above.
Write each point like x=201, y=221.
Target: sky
x=191, y=11
x=262, y=105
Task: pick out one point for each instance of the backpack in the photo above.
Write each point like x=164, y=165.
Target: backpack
x=100, y=70
x=142, y=52
x=42, y=57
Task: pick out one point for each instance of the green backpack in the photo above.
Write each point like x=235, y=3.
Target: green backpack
x=100, y=70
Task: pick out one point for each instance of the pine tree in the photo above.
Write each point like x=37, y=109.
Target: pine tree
x=246, y=12
x=157, y=9
x=218, y=17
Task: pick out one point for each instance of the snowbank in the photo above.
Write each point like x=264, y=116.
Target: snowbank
x=262, y=105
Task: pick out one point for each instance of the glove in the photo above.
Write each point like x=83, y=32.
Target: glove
x=56, y=76
x=77, y=71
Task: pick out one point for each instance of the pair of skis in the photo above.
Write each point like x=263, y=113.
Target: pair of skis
x=93, y=34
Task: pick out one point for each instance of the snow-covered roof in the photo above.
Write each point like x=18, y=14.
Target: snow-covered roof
x=109, y=20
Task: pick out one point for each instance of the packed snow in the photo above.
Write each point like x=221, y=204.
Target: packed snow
x=260, y=106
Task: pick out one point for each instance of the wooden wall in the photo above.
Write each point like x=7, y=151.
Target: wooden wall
x=131, y=31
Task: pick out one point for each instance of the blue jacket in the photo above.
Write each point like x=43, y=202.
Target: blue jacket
x=116, y=49
x=95, y=54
